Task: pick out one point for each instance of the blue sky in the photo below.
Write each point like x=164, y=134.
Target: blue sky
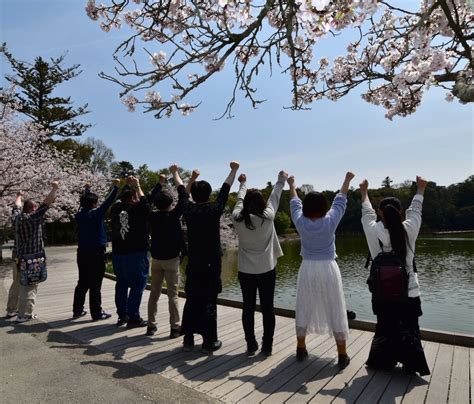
x=317, y=146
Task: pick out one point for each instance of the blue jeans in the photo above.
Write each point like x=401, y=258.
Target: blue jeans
x=131, y=271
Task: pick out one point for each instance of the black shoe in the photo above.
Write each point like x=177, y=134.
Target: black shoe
x=11, y=314
x=266, y=350
x=252, y=347
x=301, y=354
x=135, y=323
x=211, y=347
x=122, y=320
x=78, y=315
x=151, y=330
x=343, y=361
x=351, y=315
x=175, y=333
x=103, y=316
x=188, y=343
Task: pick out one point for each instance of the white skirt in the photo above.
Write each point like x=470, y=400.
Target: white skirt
x=320, y=303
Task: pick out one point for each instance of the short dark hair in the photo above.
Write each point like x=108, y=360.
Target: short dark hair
x=201, y=191
x=163, y=200
x=88, y=200
x=127, y=193
x=28, y=205
x=315, y=205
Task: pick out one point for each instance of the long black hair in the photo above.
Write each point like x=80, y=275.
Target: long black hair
x=391, y=209
x=254, y=204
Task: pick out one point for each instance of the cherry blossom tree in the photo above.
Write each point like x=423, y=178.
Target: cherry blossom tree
x=395, y=56
x=28, y=165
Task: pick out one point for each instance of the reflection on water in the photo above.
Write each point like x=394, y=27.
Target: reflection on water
x=445, y=268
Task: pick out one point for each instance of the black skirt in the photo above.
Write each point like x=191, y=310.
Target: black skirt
x=397, y=338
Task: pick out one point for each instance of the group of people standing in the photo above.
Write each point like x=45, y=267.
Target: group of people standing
x=137, y=218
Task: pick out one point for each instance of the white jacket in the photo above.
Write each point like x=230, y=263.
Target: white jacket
x=375, y=231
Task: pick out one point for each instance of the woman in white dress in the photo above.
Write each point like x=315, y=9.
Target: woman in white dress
x=320, y=303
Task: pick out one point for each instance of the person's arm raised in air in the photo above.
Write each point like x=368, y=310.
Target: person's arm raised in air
x=296, y=206
x=157, y=188
x=225, y=189
x=17, y=206
x=194, y=176
x=107, y=203
x=183, y=196
x=412, y=222
x=239, y=205
x=369, y=220
x=339, y=203
x=48, y=201
x=274, y=199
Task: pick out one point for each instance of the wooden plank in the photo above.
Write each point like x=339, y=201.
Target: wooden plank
x=471, y=374
x=375, y=388
x=342, y=378
x=439, y=384
x=273, y=382
x=418, y=387
x=459, y=384
x=312, y=386
x=316, y=362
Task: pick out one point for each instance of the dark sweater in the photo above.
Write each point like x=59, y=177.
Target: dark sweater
x=204, y=241
x=130, y=230
x=91, y=229
x=166, y=232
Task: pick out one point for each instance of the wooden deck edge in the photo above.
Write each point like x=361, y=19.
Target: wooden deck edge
x=465, y=340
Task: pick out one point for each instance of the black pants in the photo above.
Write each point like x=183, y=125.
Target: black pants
x=91, y=264
x=265, y=284
x=200, y=317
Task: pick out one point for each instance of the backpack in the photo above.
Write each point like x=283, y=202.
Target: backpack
x=388, y=278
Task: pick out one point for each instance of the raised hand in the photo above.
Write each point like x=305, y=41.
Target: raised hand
x=55, y=184
x=364, y=186
x=234, y=165
x=283, y=175
x=350, y=175
x=115, y=182
x=195, y=174
x=242, y=178
x=291, y=181
x=162, y=179
x=174, y=168
x=421, y=184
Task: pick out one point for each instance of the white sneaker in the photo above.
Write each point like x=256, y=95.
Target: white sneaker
x=21, y=319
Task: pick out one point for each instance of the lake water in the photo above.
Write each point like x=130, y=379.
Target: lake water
x=445, y=270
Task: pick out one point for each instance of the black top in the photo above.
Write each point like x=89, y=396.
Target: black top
x=166, y=232
x=204, y=243
x=130, y=230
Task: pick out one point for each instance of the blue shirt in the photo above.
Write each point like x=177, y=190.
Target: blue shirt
x=317, y=236
x=91, y=232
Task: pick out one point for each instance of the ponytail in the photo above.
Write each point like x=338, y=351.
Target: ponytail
x=392, y=219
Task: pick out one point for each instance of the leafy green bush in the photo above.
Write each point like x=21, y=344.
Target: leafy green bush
x=282, y=222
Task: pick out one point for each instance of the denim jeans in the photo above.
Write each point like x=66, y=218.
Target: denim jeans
x=265, y=284
x=131, y=271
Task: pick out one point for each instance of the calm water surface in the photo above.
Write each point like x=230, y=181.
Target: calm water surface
x=445, y=270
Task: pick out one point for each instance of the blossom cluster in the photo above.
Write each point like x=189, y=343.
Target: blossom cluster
x=398, y=53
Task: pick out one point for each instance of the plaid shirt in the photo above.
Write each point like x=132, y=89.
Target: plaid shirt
x=28, y=230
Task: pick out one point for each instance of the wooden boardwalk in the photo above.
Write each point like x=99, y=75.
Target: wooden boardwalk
x=230, y=376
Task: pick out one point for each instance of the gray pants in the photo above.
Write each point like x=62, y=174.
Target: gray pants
x=164, y=270
x=21, y=298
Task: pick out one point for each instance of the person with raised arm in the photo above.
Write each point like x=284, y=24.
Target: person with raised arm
x=259, y=250
x=397, y=333
x=130, y=242
x=167, y=244
x=320, y=303
x=91, y=245
x=27, y=219
x=203, y=271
